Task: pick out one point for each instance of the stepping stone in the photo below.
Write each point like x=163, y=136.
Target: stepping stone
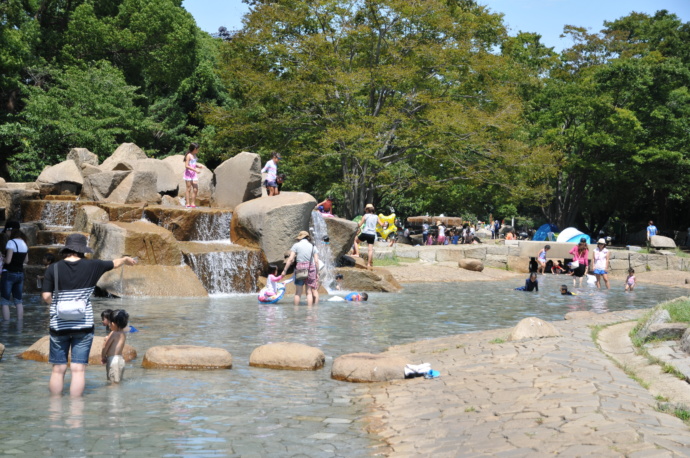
x=366, y=367
x=287, y=355
x=533, y=328
x=187, y=357
x=40, y=351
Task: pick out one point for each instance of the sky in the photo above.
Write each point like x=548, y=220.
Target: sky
x=545, y=17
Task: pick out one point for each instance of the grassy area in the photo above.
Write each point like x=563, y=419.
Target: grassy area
x=394, y=261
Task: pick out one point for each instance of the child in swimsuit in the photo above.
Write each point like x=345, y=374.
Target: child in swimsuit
x=357, y=297
x=630, y=281
x=531, y=284
x=271, y=290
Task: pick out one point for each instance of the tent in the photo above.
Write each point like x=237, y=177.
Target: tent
x=543, y=232
x=572, y=235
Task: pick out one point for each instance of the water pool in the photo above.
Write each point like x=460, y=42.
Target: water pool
x=248, y=411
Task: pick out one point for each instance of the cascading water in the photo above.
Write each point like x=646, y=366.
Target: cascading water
x=212, y=227
x=320, y=231
x=58, y=213
x=226, y=271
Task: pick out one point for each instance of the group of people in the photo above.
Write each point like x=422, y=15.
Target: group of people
x=449, y=236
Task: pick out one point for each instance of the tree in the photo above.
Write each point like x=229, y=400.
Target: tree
x=377, y=97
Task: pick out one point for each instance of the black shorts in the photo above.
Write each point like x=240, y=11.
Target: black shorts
x=369, y=238
x=579, y=271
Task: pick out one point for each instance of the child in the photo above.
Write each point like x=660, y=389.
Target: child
x=630, y=281
x=270, y=292
x=105, y=319
x=357, y=297
x=339, y=282
x=191, y=175
x=111, y=355
x=565, y=292
x=47, y=260
x=531, y=284
x=271, y=169
x=280, y=179
x=541, y=259
x=558, y=268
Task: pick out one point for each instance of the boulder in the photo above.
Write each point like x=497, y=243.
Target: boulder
x=66, y=171
x=658, y=316
x=201, y=224
x=659, y=242
x=533, y=328
x=2, y=350
x=667, y=331
x=87, y=215
x=272, y=223
x=342, y=234
x=3, y=183
x=378, y=279
x=188, y=357
x=152, y=244
x=366, y=367
x=287, y=355
x=126, y=153
x=13, y=201
x=474, y=265
x=40, y=351
x=237, y=180
x=82, y=156
x=152, y=281
x=88, y=170
x=205, y=177
x=136, y=187
x=685, y=341
x=98, y=186
x=166, y=181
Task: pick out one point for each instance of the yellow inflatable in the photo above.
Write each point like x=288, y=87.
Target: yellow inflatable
x=388, y=227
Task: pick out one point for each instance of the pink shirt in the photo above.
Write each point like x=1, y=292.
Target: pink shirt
x=581, y=259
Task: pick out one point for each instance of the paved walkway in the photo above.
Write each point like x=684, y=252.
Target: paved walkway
x=554, y=396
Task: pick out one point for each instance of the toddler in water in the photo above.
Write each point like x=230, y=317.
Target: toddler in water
x=271, y=290
x=565, y=292
x=357, y=297
x=339, y=282
x=630, y=281
x=111, y=355
x=531, y=283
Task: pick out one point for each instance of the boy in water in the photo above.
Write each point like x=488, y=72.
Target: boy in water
x=565, y=292
x=111, y=355
x=339, y=282
x=357, y=297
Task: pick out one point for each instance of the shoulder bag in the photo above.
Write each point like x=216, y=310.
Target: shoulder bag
x=68, y=310
x=303, y=274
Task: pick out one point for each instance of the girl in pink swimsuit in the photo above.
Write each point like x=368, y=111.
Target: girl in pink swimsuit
x=191, y=178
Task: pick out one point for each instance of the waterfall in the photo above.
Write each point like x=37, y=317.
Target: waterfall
x=226, y=272
x=58, y=213
x=320, y=230
x=212, y=227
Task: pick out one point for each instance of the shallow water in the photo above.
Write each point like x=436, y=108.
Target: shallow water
x=250, y=411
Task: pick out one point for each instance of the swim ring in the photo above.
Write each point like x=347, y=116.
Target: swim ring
x=279, y=296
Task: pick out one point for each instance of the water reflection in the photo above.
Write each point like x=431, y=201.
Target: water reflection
x=248, y=410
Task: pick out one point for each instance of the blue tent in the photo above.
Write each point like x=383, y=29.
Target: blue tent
x=543, y=232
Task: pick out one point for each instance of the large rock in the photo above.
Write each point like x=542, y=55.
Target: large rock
x=366, y=367
x=152, y=244
x=187, y=357
x=205, y=177
x=87, y=215
x=61, y=178
x=685, y=341
x=661, y=242
x=377, y=280
x=659, y=316
x=237, y=180
x=40, y=351
x=272, y=223
x=152, y=281
x=98, y=186
x=533, y=328
x=136, y=187
x=667, y=331
x=126, y=153
x=11, y=200
x=82, y=156
x=88, y=169
x=287, y=355
x=2, y=350
x=166, y=181
x=474, y=265
x=202, y=224
x=342, y=233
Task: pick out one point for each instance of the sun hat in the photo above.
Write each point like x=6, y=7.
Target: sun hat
x=77, y=243
x=601, y=242
x=302, y=235
x=369, y=206
x=9, y=225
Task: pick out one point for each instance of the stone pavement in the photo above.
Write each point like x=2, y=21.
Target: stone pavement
x=553, y=396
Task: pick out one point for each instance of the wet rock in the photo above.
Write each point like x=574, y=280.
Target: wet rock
x=87, y=215
x=82, y=156
x=658, y=316
x=474, y=265
x=99, y=186
x=11, y=200
x=666, y=331
x=187, y=357
x=152, y=281
x=533, y=328
x=237, y=180
x=124, y=213
x=166, y=181
x=661, y=242
x=377, y=280
x=342, y=234
x=205, y=178
x=40, y=351
x=126, y=153
x=152, y=244
x=287, y=355
x=272, y=223
x=200, y=224
x=136, y=187
x=367, y=367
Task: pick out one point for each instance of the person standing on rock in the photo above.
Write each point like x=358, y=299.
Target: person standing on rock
x=191, y=175
x=307, y=258
x=651, y=232
x=71, y=313
x=271, y=169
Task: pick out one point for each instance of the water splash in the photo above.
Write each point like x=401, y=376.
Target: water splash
x=210, y=227
x=320, y=230
x=226, y=272
x=58, y=213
